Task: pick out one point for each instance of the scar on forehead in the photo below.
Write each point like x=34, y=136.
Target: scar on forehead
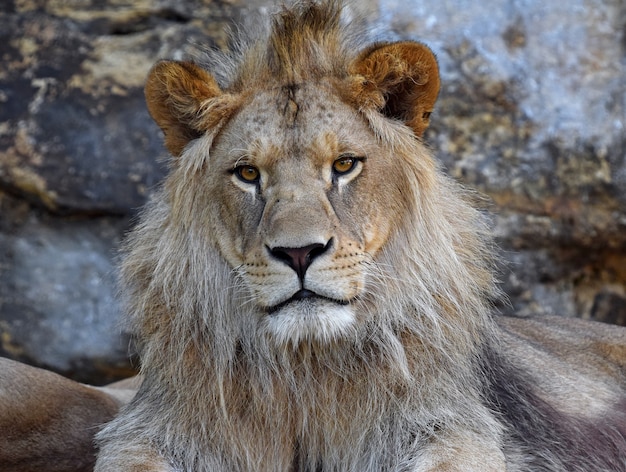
x=291, y=106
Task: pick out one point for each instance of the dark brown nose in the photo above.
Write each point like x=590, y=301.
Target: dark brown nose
x=299, y=258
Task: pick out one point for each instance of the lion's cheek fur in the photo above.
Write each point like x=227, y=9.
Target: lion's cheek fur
x=370, y=211
x=236, y=232
x=205, y=203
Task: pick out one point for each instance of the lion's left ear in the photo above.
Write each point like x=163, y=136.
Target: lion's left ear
x=400, y=79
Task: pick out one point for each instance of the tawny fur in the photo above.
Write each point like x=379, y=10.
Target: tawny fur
x=398, y=366
x=47, y=422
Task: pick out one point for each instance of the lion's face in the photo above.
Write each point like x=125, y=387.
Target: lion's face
x=296, y=183
x=306, y=196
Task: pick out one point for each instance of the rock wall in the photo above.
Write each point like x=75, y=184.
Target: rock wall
x=532, y=113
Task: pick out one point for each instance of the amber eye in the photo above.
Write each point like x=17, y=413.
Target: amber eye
x=344, y=164
x=248, y=174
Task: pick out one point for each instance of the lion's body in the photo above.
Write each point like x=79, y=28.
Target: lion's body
x=310, y=292
x=47, y=422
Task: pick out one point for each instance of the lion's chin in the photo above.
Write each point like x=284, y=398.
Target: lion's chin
x=309, y=319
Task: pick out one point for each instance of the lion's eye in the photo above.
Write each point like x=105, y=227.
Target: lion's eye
x=248, y=174
x=344, y=164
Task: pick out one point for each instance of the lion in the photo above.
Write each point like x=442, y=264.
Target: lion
x=310, y=291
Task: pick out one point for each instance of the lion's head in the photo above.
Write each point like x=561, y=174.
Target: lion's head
x=305, y=173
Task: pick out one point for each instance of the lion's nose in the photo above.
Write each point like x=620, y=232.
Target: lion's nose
x=299, y=258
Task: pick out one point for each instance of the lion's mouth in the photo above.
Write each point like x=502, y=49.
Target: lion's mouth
x=302, y=295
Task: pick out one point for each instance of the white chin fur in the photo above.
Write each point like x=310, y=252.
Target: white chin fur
x=309, y=320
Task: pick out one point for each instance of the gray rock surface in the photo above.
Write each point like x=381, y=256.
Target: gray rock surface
x=57, y=294
x=532, y=113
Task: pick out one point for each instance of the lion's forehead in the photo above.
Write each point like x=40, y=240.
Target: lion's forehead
x=307, y=122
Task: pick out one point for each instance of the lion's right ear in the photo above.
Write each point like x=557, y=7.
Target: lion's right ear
x=176, y=95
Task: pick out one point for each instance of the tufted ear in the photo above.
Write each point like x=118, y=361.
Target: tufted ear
x=400, y=79
x=176, y=93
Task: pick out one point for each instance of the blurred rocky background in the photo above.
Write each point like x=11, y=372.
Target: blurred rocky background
x=532, y=113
